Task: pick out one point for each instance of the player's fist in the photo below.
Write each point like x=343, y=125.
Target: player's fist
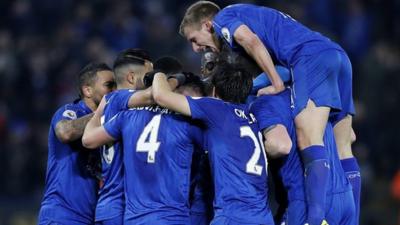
x=149, y=77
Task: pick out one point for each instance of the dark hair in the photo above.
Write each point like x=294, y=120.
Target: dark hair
x=135, y=56
x=197, y=12
x=239, y=59
x=232, y=84
x=168, y=65
x=194, y=81
x=88, y=74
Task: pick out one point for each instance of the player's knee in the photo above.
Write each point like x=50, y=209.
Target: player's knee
x=353, y=137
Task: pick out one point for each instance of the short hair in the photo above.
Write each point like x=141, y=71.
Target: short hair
x=88, y=74
x=168, y=65
x=194, y=81
x=127, y=57
x=232, y=84
x=197, y=12
x=134, y=56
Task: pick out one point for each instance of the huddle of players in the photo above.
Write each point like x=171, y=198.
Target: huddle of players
x=158, y=135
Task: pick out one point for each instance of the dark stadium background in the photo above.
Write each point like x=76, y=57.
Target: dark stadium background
x=44, y=43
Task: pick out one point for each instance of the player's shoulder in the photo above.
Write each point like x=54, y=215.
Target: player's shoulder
x=118, y=93
x=206, y=100
x=238, y=6
x=69, y=110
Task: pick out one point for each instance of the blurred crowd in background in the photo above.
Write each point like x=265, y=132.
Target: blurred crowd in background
x=44, y=43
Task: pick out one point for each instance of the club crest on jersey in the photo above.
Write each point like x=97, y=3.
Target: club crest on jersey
x=226, y=34
x=69, y=114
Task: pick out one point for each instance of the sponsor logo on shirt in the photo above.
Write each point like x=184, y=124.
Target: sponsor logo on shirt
x=226, y=34
x=70, y=114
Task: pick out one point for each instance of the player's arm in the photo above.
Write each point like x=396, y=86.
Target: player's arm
x=165, y=97
x=277, y=141
x=145, y=97
x=256, y=49
x=141, y=98
x=71, y=130
x=94, y=134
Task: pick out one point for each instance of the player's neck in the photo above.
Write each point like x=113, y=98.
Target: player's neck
x=92, y=106
x=126, y=85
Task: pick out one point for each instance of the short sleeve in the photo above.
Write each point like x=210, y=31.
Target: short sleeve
x=225, y=24
x=114, y=126
x=267, y=111
x=204, y=109
x=67, y=112
x=119, y=99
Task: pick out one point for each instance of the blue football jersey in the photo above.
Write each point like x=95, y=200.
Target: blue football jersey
x=111, y=201
x=276, y=109
x=71, y=190
x=158, y=147
x=237, y=159
x=271, y=110
x=285, y=38
x=202, y=189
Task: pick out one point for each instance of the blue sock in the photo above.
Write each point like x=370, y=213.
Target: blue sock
x=316, y=178
x=352, y=171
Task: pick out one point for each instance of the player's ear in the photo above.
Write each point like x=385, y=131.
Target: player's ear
x=209, y=26
x=87, y=91
x=131, y=77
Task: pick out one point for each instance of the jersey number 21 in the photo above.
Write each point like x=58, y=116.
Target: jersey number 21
x=252, y=166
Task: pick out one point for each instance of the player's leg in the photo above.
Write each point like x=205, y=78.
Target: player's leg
x=344, y=134
x=341, y=209
x=315, y=93
x=310, y=127
x=296, y=213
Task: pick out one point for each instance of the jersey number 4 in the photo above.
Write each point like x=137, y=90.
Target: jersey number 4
x=148, y=139
x=252, y=166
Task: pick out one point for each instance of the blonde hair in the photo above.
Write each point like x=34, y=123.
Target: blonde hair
x=197, y=13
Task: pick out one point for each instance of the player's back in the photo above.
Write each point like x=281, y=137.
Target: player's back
x=238, y=161
x=284, y=37
x=158, y=148
x=70, y=190
x=111, y=201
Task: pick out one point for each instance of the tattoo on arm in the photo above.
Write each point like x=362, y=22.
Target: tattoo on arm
x=71, y=130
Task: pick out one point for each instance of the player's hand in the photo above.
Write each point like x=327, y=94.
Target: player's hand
x=180, y=77
x=100, y=108
x=149, y=77
x=270, y=90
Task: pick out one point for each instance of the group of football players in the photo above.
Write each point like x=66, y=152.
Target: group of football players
x=148, y=143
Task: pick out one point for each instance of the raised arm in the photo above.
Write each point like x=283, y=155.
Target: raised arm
x=165, y=97
x=256, y=49
x=71, y=130
x=141, y=98
x=277, y=141
x=145, y=97
x=94, y=134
